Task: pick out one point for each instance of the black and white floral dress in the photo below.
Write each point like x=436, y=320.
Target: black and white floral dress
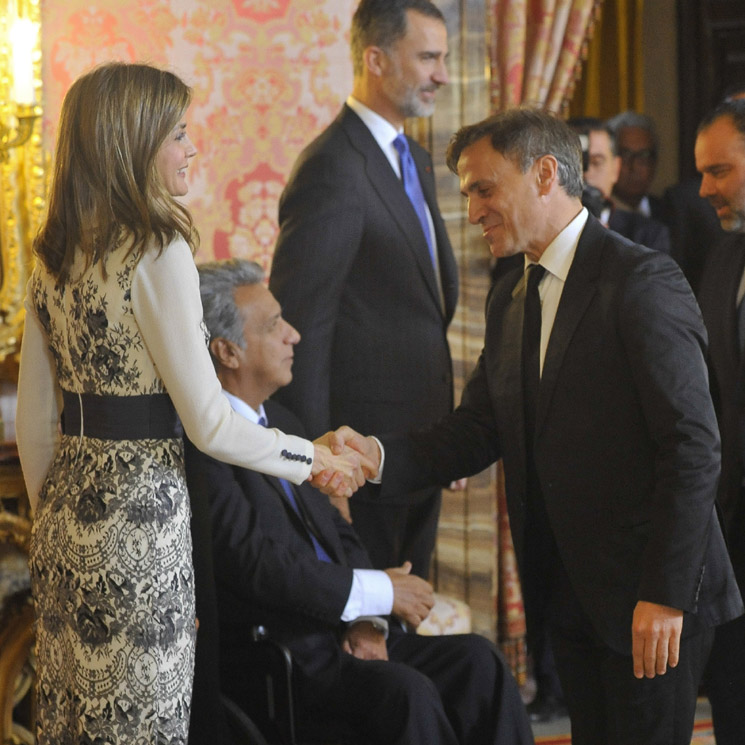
x=111, y=556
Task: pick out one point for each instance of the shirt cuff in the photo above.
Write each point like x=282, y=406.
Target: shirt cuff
x=379, y=478
x=371, y=595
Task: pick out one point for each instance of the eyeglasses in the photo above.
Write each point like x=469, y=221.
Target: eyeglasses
x=643, y=157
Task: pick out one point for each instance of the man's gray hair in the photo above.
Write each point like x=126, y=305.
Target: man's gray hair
x=523, y=135
x=218, y=281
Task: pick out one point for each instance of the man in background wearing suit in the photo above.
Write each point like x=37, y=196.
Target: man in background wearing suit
x=602, y=165
x=592, y=387
x=720, y=158
x=366, y=272
x=636, y=141
x=284, y=558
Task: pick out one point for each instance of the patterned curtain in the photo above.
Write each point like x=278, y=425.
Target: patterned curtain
x=536, y=52
x=536, y=48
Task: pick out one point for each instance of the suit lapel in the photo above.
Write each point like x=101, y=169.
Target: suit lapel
x=392, y=195
x=504, y=330
x=579, y=289
x=730, y=286
x=308, y=522
x=512, y=336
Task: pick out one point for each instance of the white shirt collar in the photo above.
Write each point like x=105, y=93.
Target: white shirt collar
x=559, y=254
x=645, y=207
x=380, y=128
x=239, y=406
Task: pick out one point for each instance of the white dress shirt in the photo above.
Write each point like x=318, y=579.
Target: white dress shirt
x=557, y=260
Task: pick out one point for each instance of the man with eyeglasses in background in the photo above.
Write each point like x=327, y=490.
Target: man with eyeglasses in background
x=636, y=139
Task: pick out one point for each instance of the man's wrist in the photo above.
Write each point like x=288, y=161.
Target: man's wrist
x=378, y=623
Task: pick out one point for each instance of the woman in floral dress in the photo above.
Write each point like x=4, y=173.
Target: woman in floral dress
x=113, y=364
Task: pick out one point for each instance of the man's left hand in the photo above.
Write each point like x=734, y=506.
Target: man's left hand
x=655, y=634
x=365, y=642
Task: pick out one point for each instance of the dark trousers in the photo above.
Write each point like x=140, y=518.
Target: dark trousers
x=395, y=533
x=724, y=679
x=606, y=703
x=725, y=682
x=540, y=556
x=447, y=690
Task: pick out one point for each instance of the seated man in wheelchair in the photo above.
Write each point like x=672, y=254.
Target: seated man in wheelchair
x=285, y=559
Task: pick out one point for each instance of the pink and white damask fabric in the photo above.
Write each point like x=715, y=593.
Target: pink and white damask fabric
x=268, y=75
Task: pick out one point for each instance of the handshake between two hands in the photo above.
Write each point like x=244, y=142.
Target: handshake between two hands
x=343, y=461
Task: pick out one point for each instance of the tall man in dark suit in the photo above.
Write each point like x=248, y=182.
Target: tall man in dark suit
x=720, y=157
x=592, y=387
x=370, y=283
x=286, y=559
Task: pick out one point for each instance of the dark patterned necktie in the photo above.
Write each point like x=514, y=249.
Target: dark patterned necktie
x=289, y=491
x=531, y=357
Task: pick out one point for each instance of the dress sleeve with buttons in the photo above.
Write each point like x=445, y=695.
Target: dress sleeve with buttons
x=168, y=309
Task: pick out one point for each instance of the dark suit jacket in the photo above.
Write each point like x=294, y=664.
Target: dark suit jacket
x=626, y=444
x=694, y=227
x=352, y=271
x=717, y=297
x=641, y=229
x=265, y=565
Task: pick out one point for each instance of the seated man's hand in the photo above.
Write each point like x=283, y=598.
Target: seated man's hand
x=365, y=642
x=342, y=505
x=413, y=597
x=338, y=474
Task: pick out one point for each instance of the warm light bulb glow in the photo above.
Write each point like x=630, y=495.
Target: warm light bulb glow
x=23, y=34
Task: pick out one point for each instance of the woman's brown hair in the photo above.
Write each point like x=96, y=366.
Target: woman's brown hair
x=106, y=187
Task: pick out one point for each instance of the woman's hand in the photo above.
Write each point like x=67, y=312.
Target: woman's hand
x=337, y=474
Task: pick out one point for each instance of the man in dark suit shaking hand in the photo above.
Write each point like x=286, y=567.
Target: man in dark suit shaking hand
x=284, y=558
x=592, y=387
x=364, y=269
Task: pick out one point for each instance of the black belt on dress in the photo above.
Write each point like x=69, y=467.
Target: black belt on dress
x=149, y=417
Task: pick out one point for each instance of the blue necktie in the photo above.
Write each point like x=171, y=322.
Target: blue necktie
x=413, y=188
x=290, y=492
